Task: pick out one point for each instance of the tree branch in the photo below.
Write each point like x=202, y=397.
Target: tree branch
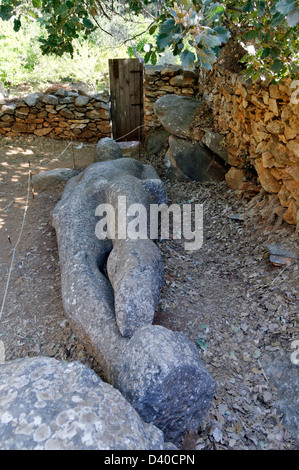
x=100, y=27
x=102, y=10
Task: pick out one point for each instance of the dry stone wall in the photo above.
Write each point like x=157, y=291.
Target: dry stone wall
x=257, y=125
x=160, y=81
x=260, y=122
x=61, y=115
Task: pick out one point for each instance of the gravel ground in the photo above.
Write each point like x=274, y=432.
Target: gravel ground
x=228, y=297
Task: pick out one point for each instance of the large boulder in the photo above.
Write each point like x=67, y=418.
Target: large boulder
x=176, y=114
x=192, y=160
x=52, y=179
x=47, y=404
x=216, y=142
x=156, y=141
x=95, y=312
x=107, y=149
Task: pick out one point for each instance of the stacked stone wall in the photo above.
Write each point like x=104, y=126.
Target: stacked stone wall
x=259, y=122
x=61, y=115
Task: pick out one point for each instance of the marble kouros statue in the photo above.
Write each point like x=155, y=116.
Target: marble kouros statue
x=111, y=287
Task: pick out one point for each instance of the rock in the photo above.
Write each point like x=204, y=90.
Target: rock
x=176, y=114
x=158, y=372
x=107, y=149
x=43, y=131
x=32, y=99
x=215, y=142
x=82, y=100
x=173, y=170
x=61, y=93
x=235, y=177
x=88, y=300
x=282, y=254
x=130, y=148
x=291, y=216
x=275, y=127
x=8, y=108
x=194, y=160
x=136, y=272
x=103, y=97
x=47, y=180
x=268, y=182
x=47, y=404
x=156, y=141
x=283, y=374
x=67, y=113
x=50, y=99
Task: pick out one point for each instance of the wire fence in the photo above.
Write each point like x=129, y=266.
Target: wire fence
x=17, y=243
x=14, y=248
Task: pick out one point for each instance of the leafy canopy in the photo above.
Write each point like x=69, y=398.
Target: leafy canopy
x=195, y=30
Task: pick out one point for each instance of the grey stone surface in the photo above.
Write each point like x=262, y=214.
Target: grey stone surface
x=161, y=373
x=176, y=114
x=32, y=99
x=215, y=142
x=82, y=100
x=283, y=375
x=88, y=299
x=193, y=160
x=61, y=93
x=50, y=99
x=83, y=256
x=8, y=108
x=136, y=271
x=48, y=180
x=130, y=148
x=107, y=149
x=283, y=250
x=47, y=404
x=157, y=140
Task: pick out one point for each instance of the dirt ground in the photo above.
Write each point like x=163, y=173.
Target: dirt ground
x=227, y=297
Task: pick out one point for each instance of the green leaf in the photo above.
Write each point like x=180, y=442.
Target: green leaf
x=187, y=58
x=250, y=35
x=210, y=41
x=260, y=7
x=202, y=344
x=147, y=56
x=223, y=33
x=266, y=52
x=163, y=40
x=277, y=66
x=249, y=6
x=216, y=11
x=154, y=58
x=206, y=58
x=6, y=12
x=167, y=26
x=293, y=18
x=152, y=29
x=87, y=23
x=186, y=4
x=17, y=25
x=285, y=7
x=277, y=19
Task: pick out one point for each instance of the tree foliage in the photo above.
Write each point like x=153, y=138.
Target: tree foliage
x=195, y=30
